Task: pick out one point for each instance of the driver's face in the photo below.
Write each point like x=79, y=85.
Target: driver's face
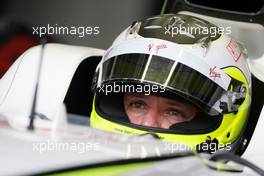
x=156, y=111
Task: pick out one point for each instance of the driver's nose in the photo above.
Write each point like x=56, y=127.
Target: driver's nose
x=151, y=119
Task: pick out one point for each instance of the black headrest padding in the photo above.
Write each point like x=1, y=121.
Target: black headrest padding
x=111, y=105
x=79, y=98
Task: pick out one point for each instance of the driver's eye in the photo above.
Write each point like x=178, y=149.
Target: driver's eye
x=174, y=113
x=137, y=105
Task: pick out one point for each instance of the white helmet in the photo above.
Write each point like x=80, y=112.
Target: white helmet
x=191, y=59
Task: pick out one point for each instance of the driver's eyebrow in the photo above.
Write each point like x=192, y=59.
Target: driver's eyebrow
x=136, y=95
x=174, y=103
x=139, y=96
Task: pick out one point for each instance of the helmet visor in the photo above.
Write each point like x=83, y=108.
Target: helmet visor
x=174, y=76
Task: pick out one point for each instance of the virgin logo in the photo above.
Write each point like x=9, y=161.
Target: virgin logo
x=213, y=74
x=234, y=50
x=155, y=48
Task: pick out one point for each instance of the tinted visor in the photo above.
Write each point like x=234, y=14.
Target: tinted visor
x=174, y=76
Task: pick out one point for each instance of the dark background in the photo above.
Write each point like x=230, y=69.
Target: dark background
x=111, y=16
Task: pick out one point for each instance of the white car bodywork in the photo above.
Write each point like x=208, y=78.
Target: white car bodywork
x=59, y=65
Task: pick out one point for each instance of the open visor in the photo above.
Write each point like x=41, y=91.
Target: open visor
x=174, y=77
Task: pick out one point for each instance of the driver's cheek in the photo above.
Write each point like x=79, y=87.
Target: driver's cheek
x=166, y=123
